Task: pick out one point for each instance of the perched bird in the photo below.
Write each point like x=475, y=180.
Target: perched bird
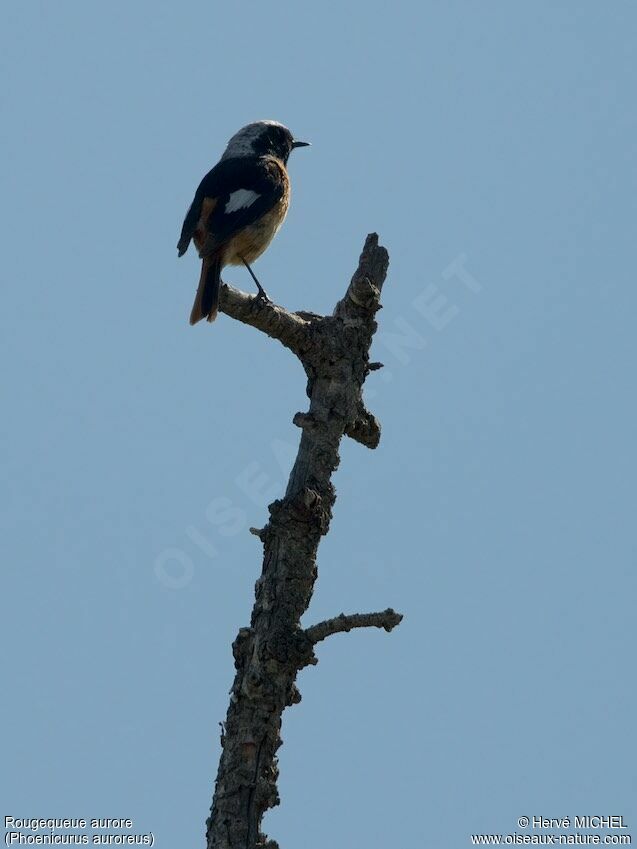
x=238, y=208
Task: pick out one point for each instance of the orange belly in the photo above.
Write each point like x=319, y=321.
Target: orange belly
x=250, y=243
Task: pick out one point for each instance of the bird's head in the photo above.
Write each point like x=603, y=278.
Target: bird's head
x=262, y=138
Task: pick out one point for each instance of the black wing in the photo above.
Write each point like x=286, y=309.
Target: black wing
x=263, y=176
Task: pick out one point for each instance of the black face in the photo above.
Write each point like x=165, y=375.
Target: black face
x=274, y=140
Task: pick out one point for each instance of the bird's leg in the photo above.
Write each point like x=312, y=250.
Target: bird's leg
x=263, y=295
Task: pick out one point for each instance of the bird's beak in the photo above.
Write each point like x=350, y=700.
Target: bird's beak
x=300, y=144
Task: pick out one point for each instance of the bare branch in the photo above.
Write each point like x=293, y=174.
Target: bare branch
x=387, y=619
x=288, y=327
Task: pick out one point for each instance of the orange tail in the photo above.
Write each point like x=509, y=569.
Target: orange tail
x=207, y=300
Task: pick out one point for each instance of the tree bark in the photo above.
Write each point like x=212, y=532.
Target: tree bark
x=334, y=351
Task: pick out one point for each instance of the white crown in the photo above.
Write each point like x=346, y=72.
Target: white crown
x=241, y=143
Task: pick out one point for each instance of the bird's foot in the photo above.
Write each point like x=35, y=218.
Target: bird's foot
x=262, y=296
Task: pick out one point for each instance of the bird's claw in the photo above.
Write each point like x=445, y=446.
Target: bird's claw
x=262, y=297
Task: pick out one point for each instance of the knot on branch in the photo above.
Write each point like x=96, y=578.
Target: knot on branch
x=305, y=651
x=241, y=647
x=291, y=650
x=252, y=683
x=304, y=420
x=268, y=795
x=364, y=293
x=305, y=508
x=294, y=696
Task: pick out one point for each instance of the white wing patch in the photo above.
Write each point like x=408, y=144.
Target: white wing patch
x=240, y=199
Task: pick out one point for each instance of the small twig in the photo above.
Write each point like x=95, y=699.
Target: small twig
x=387, y=619
x=365, y=428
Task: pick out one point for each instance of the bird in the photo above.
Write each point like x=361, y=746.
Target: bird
x=238, y=208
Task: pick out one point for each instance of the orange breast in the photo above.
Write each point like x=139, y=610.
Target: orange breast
x=250, y=242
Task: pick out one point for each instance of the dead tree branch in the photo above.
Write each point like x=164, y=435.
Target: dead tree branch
x=334, y=351
x=387, y=619
x=288, y=327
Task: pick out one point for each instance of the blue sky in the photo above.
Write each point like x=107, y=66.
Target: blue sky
x=497, y=513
